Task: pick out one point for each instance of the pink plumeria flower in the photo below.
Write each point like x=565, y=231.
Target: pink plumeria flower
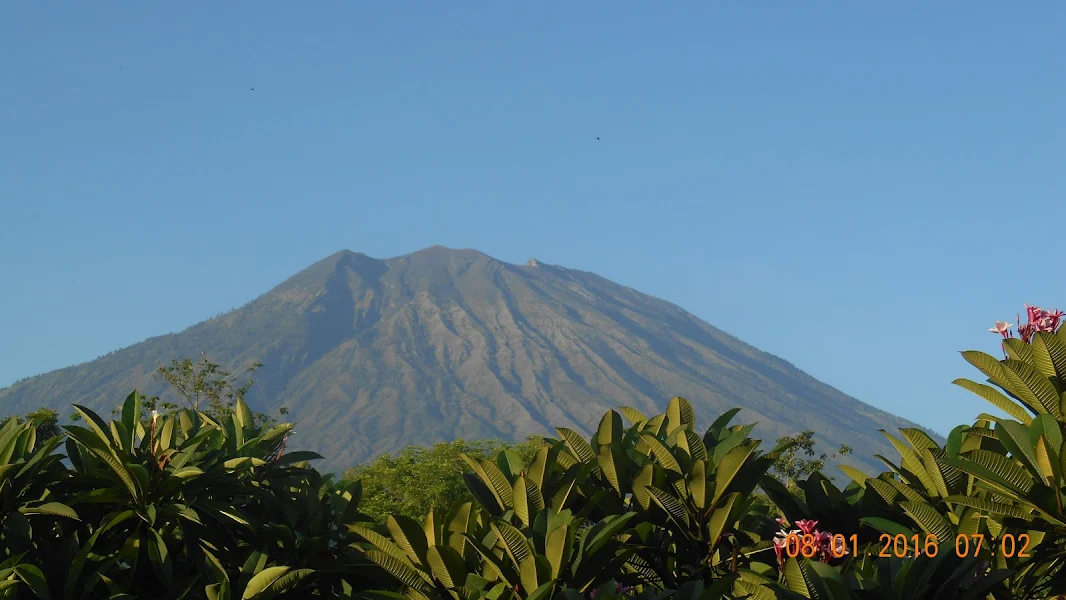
x=780, y=542
x=839, y=548
x=1002, y=328
x=779, y=549
x=806, y=525
x=1049, y=321
x=1038, y=319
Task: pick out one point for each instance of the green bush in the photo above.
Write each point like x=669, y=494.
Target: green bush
x=417, y=480
x=204, y=501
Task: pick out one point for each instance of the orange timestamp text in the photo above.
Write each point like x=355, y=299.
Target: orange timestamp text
x=902, y=546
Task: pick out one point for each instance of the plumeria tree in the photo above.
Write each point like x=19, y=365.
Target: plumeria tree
x=1019, y=460
x=1037, y=319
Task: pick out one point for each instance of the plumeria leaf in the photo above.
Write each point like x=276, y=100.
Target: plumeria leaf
x=577, y=444
x=996, y=398
x=55, y=509
x=634, y=415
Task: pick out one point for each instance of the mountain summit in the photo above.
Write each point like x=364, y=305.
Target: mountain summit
x=372, y=355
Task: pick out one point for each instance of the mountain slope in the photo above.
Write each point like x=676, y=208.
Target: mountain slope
x=372, y=355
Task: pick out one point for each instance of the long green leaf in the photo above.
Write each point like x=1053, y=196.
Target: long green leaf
x=854, y=474
x=798, y=579
x=97, y=425
x=994, y=469
x=55, y=509
x=522, y=508
x=131, y=411
x=604, y=531
x=928, y=519
x=555, y=549
x=577, y=444
x=696, y=448
x=720, y=518
x=242, y=414
x=34, y=579
x=1028, y=382
x=932, y=468
x=697, y=484
x=486, y=484
x=641, y=482
x=1001, y=376
x=1049, y=355
x=401, y=570
x=409, y=536
x=97, y=446
x=673, y=507
x=447, y=566
x=610, y=430
x=379, y=541
x=714, y=432
x=679, y=413
x=610, y=468
x=513, y=541
x=661, y=453
x=635, y=416
x=160, y=557
x=731, y=464
x=989, y=506
x=258, y=585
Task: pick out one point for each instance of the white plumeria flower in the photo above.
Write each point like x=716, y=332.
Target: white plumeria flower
x=840, y=546
x=1001, y=327
x=784, y=534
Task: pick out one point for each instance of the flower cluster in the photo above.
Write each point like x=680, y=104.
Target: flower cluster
x=808, y=542
x=1037, y=319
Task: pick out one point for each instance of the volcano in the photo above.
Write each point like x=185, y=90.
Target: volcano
x=372, y=355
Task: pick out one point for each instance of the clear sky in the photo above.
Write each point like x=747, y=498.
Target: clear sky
x=859, y=189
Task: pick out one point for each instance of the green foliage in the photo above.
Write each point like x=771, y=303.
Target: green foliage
x=470, y=554
x=673, y=506
x=182, y=499
x=205, y=382
x=417, y=480
x=35, y=513
x=995, y=479
x=46, y=422
x=205, y=385
x=1019, y=464
x=946, y=576
x=178, y=505
x=204, y=501
x=200, y=385
x=791, y=466
x=206, y=507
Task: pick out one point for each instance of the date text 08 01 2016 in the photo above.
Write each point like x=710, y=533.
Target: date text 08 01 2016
x=901, y=546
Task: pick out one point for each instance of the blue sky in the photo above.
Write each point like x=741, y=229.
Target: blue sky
x=859, y=189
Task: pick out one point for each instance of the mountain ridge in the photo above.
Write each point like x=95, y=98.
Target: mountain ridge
x=371, y=354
